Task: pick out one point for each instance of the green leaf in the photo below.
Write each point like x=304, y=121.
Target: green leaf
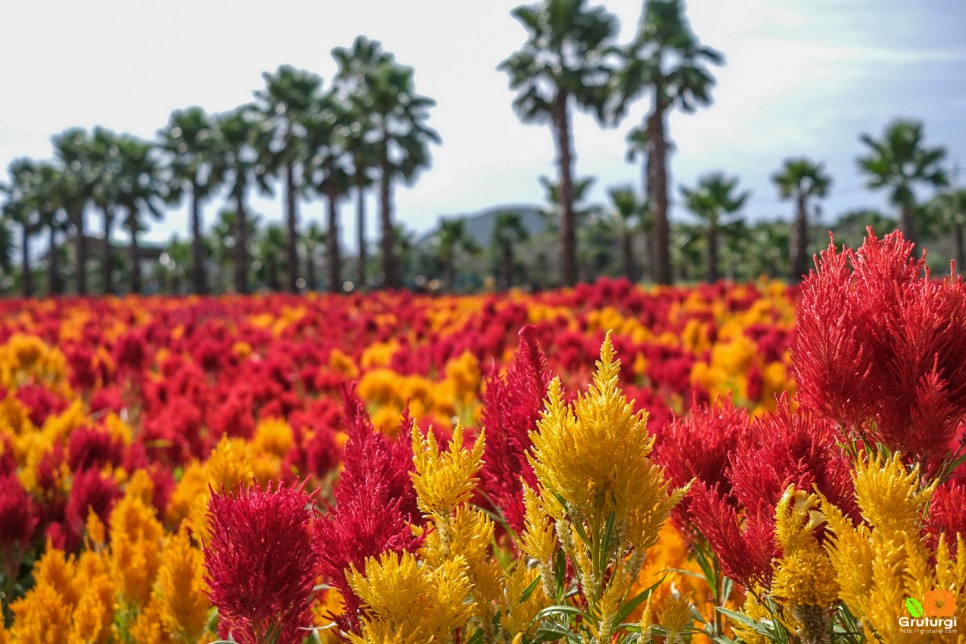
x=628, y=607
x=530, y=588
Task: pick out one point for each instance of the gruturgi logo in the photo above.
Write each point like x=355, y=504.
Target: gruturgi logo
x=936, y=613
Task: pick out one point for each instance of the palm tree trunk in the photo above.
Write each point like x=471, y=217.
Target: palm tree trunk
x=507, y=265
x=657, y=190
x=334, y=254
x=198, y=281
x=361, y=234
x=310, y=280
x=292, y=227
x=135, y=260
x=81, y=254
x=907, y=221
x=958, y=249
x=106, y=268
x=241, y=243
x=449, y=270
x=53, y=264
x=568, y=221
x=385, y=213
x=713, y=252
x=800, y=242
x=627, y=251
x=26, y=279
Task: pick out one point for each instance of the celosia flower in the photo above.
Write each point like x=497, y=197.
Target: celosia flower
x=260, y=568
x=374, y=504
x=90, y=491
x=89, y=447
x=444, y=480
x=136, y=547
x=183, y=597
x=17, y=516
x=880, y=348
x=594, y=454
x=511, y=408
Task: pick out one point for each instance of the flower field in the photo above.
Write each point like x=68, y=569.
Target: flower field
x=605, y=463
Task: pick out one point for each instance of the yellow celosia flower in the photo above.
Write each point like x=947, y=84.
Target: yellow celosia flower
x=41, y=616
x=193, y=483
x=147, y=627
x=58, y=571
x=273, y=436
x=518, y=613
x=25, y=358
x=594, y=454
x=443, y=480
x=135, y=548
x=404, y=598
x=538, y=539
x=182, y=593
x=890, y=496
x=94, y=612
x=676, y=618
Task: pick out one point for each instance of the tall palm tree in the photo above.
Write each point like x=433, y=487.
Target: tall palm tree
x=508, y=231
x=714, y=201
x=106, y=167
x=73, y=148
x=21, y=208
x=190, y=144
x=949, y=209
x=358, y=132
x=312, y=240
x=237, y=164
x=900, y=161
x=47, y=197
x=451, y=240
x=6, y=245
x=270, y=248
x=632, y=214
x=402, y=140
x=800, y=179
x=327, y=172
x=666, y=61
x=139, y=192
x=563, y=63
x=288, y=95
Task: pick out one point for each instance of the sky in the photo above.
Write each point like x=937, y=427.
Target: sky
x=800, y=79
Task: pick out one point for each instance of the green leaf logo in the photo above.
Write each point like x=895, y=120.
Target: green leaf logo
x=914, y=606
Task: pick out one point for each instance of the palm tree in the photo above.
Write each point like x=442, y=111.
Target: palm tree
x=508, y=230
x=452, y=239
x=399, y=118
x=190, y=143
x=326, y=171
x=714, y=201
x=898, y=162
x=270, y=248
x=106, y=167
x=75, y=190
x=563, y=63
x=358, y=131
x=632, y=214
x=47, y=197
x=21, y=209
x=313, y=239
x=139, y=191
x=237, y=164
x=801, y=179
x=172, y=269
x=665, y=60
x=949, y=209
x=289, y=94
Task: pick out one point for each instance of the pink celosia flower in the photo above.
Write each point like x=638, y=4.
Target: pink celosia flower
x=374, y=505
x=512, y=404
x=260, y=568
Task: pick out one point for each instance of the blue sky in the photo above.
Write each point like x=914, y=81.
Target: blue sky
x=801, y=78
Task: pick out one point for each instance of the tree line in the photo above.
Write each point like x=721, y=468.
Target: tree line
x=369, y=130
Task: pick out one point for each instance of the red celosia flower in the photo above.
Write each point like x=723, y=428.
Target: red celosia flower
x=17, y=516
x=89, y=491
x=946, y=513
x=512, y=404
x=881, y=348
x=698, y=446
x=90, y=447
x=40, y=402
x=260, y=568
x=744, y=551
x=788, y=447
x=374, y=505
